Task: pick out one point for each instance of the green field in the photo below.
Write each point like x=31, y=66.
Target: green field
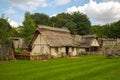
x=78, y=68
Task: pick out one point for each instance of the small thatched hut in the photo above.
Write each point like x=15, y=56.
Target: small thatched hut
x=53, y=41
x=106, y=42
x=90, y=43
x=18, y=42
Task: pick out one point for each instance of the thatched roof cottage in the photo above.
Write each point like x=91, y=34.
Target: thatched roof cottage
x=53, y=41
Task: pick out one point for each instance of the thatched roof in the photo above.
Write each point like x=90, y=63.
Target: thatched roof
x=87, y=40
x=55, y=37
x=86, y=43
x=77, y=39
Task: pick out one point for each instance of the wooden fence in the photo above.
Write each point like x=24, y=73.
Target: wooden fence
x=32, y=57
x=22, y=56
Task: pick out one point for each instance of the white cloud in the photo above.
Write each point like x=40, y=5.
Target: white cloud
x=101, y=13
x=110, y=0
x=72, y=9
x=53, y=15
x=61, y=2
x=13, y=23
x=19, y=1
x=10, y=11
x=29, y=5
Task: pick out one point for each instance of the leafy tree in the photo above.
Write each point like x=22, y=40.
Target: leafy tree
x=77, y=22
x=4, y=37
x=83, y=23
x=28, y=28
x=52, y=21
x=4, y=31
x=40, y=19
x=60, y=23
x=63, y=19
x=16, y=32
x=19, y=31
x=60, y=20
x=99, y=31
x=108, y=30
x=67, y=17
x=116, y=29
x=72, y=27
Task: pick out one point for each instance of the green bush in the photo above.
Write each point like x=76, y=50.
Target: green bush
x=19, y=49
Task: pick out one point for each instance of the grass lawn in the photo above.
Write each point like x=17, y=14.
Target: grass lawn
x=79, y=68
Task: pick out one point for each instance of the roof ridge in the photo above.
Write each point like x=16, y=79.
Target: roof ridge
x=53, y=28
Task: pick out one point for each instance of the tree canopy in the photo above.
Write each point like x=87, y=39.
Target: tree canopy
x=107, y=31
x=77, y=23
x=4, y=31
x=83, y=23
x=28, y=27
x=40, y=19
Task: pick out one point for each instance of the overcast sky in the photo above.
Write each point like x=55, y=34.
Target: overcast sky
x=99, y=11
